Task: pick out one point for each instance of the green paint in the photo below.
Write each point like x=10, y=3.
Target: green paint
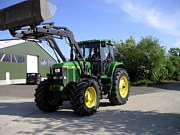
x=18, y=71
x=73, y=70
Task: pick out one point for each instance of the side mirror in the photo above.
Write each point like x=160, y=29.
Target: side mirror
x=27, y=13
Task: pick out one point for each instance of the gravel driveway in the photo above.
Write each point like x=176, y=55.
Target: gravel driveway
x=149, y=111
x=27, y=91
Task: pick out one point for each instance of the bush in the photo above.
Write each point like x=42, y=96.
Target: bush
x=142, y=83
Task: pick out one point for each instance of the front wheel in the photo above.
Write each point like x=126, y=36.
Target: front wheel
x=45, y=99
x=85, y=97
x=120, y=91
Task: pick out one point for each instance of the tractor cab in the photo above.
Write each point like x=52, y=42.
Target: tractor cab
x=99, y=53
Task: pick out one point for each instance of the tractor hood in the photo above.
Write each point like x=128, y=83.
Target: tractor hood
x=70, y=65
x=27, y=13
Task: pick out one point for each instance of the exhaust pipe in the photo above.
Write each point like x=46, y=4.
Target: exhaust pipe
x=27, y=13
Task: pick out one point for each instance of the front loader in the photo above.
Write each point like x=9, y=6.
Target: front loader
x=90, y=73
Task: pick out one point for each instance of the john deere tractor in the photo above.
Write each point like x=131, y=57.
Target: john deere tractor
x=90, y=73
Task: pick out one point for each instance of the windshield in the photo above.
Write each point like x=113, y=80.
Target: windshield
x=89, y=49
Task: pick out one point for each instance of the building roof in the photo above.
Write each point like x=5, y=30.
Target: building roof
x=9, y=43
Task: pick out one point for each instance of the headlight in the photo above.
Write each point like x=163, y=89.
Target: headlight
x=57, y=70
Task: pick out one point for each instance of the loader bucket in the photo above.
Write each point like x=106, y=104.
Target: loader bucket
x=27, y=13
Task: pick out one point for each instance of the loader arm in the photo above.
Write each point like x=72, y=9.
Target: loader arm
x=48, y=32
x=24, y=21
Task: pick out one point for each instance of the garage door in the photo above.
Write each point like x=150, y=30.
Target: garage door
x=32, y=64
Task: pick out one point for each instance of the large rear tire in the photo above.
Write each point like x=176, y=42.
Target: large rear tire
x=85, y=97
x=120, y=91
x=44, y=99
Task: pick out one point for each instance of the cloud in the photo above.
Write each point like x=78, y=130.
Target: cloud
x=147, y=12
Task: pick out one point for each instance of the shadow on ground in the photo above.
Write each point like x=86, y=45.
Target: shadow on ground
x=168, y=85
x=107, y=121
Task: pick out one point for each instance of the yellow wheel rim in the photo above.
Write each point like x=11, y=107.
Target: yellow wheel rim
x=90, y=97
x=123, y=86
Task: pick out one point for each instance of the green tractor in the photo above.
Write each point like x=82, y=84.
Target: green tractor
x=100, y=75
x=90, y=73
x=85, y=83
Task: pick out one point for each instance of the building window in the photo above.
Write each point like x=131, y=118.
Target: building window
x=13, y=58
x=44, y=62
x=47, y=62
x=18, y=59
x=7, y=58
x=51, y=63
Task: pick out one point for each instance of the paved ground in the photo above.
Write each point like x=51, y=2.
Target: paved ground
x=150, y=110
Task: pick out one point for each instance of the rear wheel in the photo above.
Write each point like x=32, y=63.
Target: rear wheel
x=45, y=99
x=120, y=90
x=85, y=97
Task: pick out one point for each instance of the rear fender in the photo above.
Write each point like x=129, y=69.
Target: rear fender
x=112, y=68
x=107, y=82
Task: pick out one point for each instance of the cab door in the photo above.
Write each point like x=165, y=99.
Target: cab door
x=107, y=56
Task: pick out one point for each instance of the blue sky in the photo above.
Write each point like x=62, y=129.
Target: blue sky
x=117, y=19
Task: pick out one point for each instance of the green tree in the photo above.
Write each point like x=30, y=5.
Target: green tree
x=174, y=52
x=169, y=67
x=152, y=56
x=145, y=60
x=174, y=56
x=127, y=54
